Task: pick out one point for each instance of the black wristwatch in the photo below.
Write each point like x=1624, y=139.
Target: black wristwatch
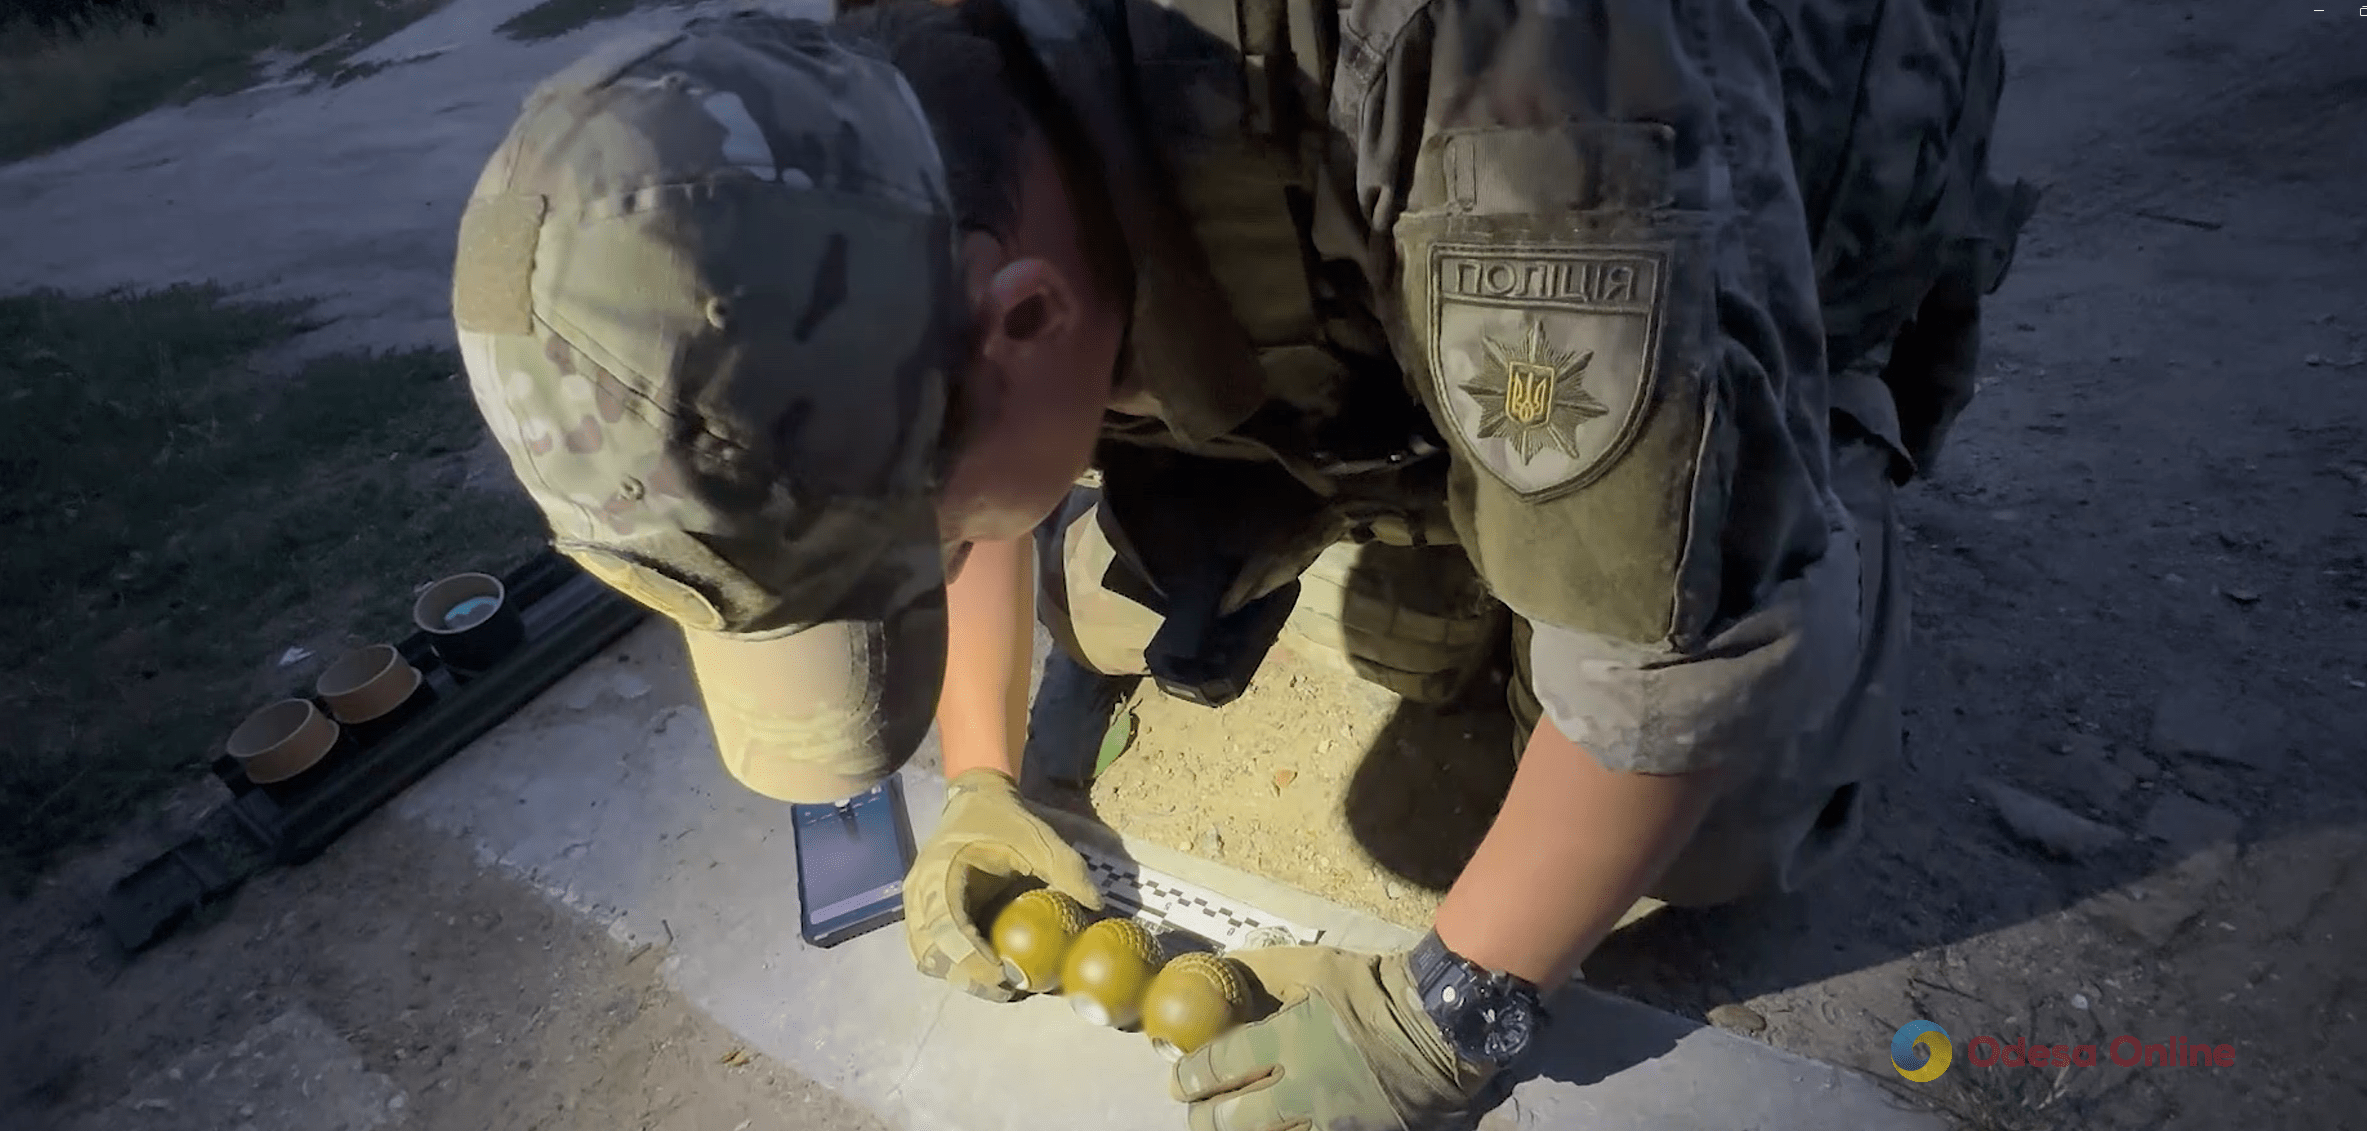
x=1490, y=1018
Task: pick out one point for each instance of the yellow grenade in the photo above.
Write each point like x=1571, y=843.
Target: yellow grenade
x=1032, y=935
x=1107, y=969
x=1193, y=1001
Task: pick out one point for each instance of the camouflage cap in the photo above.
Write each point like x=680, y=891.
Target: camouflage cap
x=704, y=292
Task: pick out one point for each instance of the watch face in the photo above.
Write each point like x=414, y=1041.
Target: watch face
x=1509, y=1036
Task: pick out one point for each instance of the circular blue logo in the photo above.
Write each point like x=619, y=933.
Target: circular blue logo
x=1921, y=1051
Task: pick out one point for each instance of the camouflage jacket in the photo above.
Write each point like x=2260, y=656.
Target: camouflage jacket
x=1581, y=287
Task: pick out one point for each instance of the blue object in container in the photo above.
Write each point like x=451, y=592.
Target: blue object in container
x=470, y=611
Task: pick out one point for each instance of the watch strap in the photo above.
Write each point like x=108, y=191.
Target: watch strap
x=1456, y=993
x=1432, y=963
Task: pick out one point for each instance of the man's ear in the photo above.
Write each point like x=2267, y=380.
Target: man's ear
x=1029, y=306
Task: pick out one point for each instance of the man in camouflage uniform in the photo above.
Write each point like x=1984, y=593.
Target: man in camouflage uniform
x=1626, y=318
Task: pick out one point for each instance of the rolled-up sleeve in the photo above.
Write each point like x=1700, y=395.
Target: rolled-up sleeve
x=1606, y=297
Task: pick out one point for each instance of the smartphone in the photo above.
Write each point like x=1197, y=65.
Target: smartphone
x=851, y=861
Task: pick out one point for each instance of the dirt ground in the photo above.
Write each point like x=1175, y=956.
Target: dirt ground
x=415, y=988
x=2134, y=792
x=2139, y=580
x=1317, y=780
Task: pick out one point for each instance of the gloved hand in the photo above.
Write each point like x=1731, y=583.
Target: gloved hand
x=987, y=843
x=1349, y=1049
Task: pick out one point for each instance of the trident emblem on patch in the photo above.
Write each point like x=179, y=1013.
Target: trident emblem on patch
x=1528, y=390
x=1534, y=394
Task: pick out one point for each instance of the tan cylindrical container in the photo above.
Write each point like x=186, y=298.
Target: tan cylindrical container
x=367, y=683
x=282, y=740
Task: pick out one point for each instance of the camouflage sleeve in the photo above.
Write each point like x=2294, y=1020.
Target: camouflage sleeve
x=1892, y=108
x=1606, y=296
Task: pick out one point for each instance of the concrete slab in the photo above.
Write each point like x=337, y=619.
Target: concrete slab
x=291, y=1073
x=606, y=794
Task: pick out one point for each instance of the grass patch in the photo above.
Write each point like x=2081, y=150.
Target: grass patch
x=175, y=519
x=57, y=91
x=553, y=18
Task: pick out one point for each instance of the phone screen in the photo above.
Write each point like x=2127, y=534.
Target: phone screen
x=852, y=855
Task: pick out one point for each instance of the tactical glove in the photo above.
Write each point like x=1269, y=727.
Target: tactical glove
x=987, y=844
x=1349, y=1049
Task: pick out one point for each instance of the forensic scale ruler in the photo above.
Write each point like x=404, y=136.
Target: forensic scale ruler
x=1170, y=906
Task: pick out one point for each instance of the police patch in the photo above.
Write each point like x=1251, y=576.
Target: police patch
x=1543, y=356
